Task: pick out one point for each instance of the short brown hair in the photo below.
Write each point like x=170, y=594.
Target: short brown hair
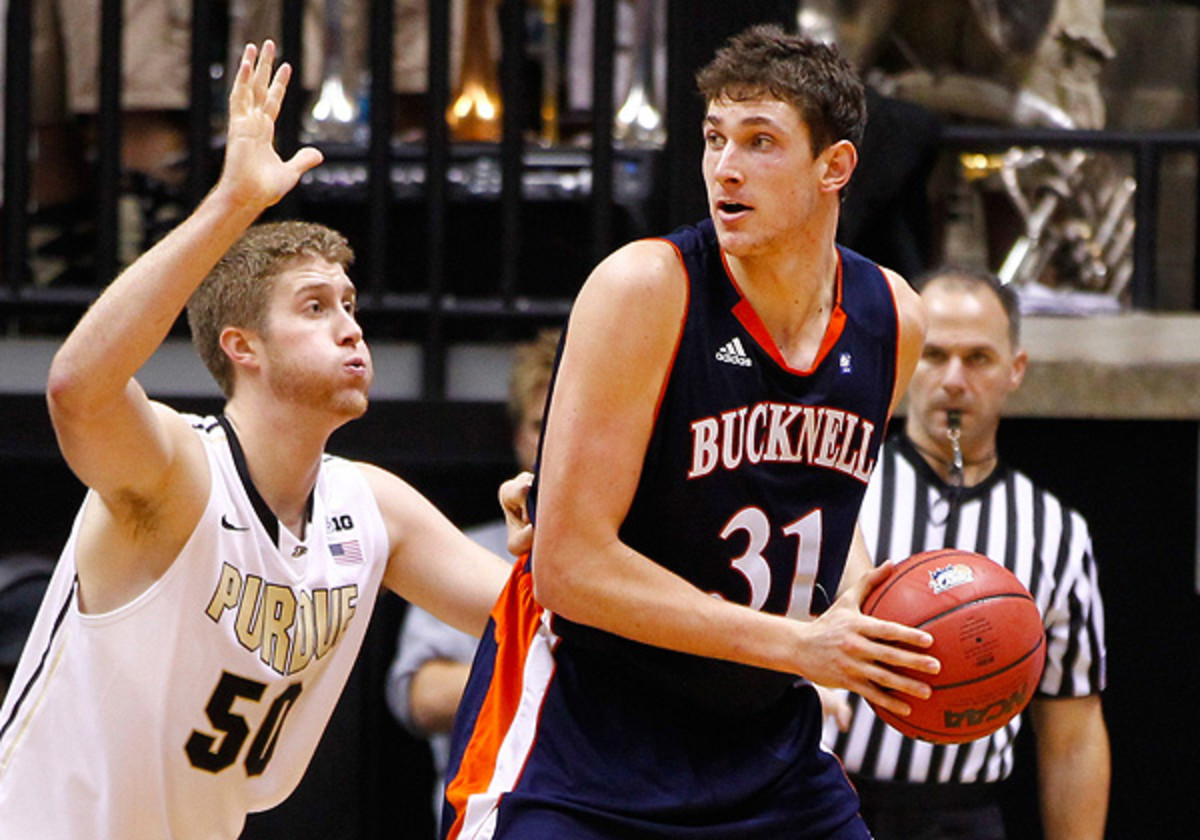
x=809, y=75
x=236, y=291
x=533, y=366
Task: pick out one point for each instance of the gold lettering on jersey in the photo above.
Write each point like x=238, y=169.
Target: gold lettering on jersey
x=287, y=627
x=783, y=433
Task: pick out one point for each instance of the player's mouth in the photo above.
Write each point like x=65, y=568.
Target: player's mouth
x=357, y=366
x=731, y=210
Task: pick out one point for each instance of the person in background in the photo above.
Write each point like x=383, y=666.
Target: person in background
x=920, y=500
x=433, y=659
x=155, y=49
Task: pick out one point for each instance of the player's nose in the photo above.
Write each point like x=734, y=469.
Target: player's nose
x=727, y=167
x=349, y=330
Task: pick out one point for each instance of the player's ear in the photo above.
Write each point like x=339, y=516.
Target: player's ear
x=840, y=159
x=241, y=346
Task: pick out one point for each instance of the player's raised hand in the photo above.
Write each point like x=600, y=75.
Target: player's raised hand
x=254, y=174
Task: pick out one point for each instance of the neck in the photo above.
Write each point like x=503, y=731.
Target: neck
x=793, y=295
x=941, y=459
x=283, y=457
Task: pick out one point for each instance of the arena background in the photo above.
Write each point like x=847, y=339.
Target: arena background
x=1109, y=420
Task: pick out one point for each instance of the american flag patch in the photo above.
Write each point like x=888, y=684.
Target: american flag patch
x=346, y=552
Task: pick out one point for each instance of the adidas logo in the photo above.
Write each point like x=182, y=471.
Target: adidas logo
x=734, y=354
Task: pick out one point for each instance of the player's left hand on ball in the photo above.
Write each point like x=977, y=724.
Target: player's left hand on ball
x=879, y=660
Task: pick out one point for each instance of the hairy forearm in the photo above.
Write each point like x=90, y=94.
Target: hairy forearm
x=614, y=588
x=135, y=313
x=1074, y=803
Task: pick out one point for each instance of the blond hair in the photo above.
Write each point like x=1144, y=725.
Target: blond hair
x=236, y=291
x=533, y=366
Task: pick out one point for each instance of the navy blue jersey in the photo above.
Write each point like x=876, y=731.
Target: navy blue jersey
x=750, y=489
x=755, y=472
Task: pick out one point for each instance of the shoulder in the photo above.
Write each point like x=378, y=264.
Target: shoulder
x=910, y=309
x=644, y=268
x=392, y=493
x=402, y=509
x=1054, y=507
x=405, y=510
x=631, y=306
x=911, y=324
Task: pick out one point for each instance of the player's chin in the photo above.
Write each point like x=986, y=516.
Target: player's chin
x=738, y=243
x=352, y=404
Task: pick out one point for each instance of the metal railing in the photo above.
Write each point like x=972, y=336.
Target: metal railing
x=1146, y=150
x=624, y=192
x=434, y=161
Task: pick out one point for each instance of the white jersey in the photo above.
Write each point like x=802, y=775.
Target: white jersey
x=205, y=697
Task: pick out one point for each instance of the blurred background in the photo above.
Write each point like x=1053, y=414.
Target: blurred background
x=483, y=155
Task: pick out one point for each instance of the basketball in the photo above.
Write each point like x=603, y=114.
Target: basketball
x=987, y=633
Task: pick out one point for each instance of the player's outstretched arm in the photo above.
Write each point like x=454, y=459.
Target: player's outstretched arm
x=622, y=336
x=431, y=562
x=107, y=431
x=139, y=456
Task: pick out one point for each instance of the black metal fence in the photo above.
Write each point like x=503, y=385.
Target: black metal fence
x=438, y=261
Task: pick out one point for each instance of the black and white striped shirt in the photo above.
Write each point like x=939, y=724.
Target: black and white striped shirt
x=908, y=509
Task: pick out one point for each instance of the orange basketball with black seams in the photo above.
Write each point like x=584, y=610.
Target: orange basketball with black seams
x=987, y=633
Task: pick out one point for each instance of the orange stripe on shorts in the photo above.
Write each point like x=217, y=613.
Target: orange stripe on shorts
x=516, y=618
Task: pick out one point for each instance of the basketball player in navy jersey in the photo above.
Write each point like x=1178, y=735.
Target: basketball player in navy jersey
x=716, y=413
x=216, y=587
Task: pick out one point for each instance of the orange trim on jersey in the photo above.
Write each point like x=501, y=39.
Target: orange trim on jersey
x=745, y=313
x=516, y=618
x=899, y=340
x=687, y=303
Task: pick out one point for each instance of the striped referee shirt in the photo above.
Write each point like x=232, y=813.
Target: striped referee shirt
x=909, y=509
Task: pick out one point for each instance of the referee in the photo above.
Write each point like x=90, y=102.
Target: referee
x=941, y=483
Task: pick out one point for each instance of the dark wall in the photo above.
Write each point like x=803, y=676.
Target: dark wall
x=1135, y=482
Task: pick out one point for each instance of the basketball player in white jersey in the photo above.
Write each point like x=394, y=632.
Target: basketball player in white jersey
x=215, y=588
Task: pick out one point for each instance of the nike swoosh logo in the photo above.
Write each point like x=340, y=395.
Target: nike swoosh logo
x=229, y=526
